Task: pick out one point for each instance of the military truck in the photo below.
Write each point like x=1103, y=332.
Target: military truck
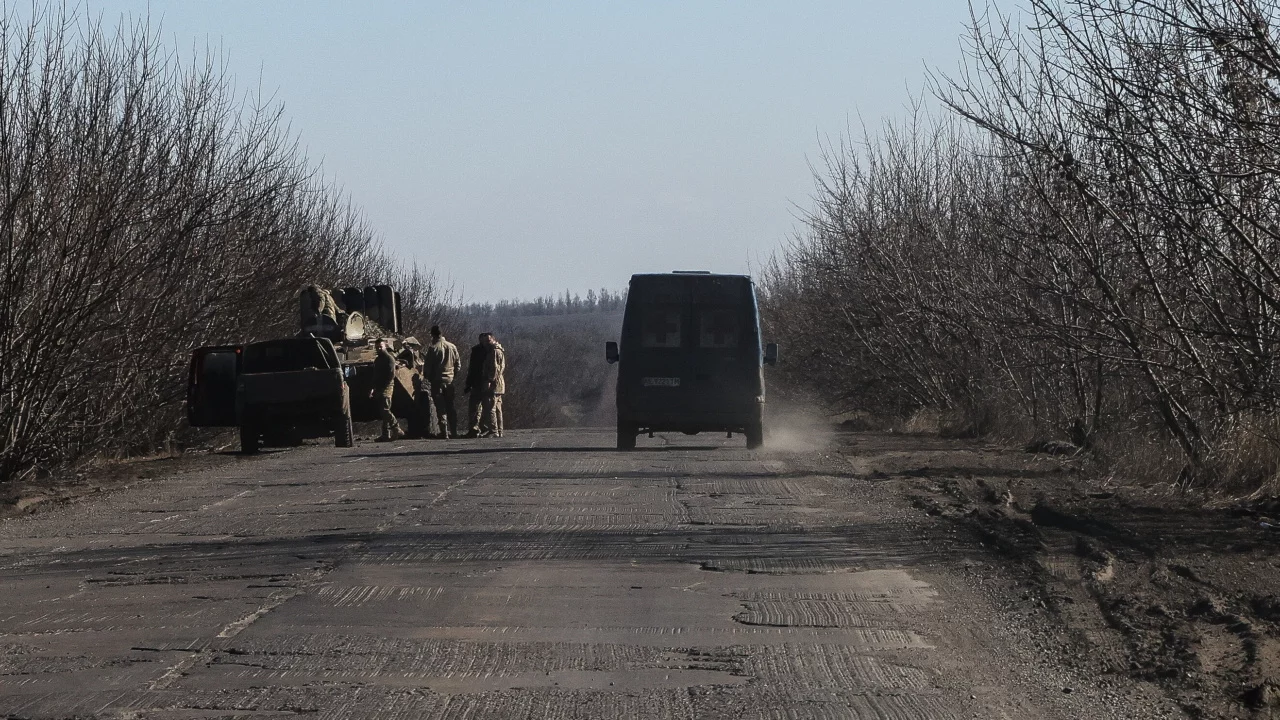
x=291, y=389
x=280, y=392
x=691, y=357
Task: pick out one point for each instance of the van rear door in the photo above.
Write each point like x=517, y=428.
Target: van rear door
x=211, y=386
x=726, y=368
x=656, y=373
x=726, y=344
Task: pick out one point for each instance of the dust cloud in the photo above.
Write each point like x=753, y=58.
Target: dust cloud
x=797, y=427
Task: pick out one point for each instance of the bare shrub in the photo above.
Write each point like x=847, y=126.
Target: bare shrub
x=1095, y=262
x=1140, y=457
x=1144, y=134
x=879, y=302
x=145, y=208
x=1248, y=456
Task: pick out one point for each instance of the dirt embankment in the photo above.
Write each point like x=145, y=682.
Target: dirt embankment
x=19, y=497
x=1143, y=584
x=33, y=494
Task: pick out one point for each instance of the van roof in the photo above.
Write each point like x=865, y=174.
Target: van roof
x=651, y=287
x=690, y=273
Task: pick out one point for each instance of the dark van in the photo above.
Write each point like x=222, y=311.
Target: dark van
x=690, y=358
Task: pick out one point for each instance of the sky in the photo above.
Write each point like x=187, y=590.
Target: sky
x=527, y=148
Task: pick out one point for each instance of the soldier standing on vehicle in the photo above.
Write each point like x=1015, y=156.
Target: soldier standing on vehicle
x=441, y=363
x=475, y=385
x=495, y=365
x=384, y=385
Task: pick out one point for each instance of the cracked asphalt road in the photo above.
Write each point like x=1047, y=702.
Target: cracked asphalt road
x=543, y=575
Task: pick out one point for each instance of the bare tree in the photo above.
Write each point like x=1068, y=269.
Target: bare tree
x=145, y=208
x=1099, y=257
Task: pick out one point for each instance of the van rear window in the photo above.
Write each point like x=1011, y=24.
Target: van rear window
x=661, y=327
x=718, y=328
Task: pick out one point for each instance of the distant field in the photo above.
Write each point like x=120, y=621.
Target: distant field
x=592, y=323
x=556, y=370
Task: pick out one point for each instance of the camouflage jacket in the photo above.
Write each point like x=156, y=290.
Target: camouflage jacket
x=441, y=362
x=384, y=373
x=495, y=364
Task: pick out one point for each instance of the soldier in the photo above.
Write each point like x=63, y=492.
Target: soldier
x=495, y=365
x=384, y=384
x=321, y=303
x=327, y=307
x=441, y=363
x=474, y=386
x=320, y=313
x=420, y=419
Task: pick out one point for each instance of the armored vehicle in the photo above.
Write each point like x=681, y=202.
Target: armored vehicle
x=690, y=358
x=279, y=392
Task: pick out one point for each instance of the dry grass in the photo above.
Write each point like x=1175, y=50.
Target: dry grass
x=862, y=421
x=972, y=420
x=925, y=421
x=1139, y=458
x=1247, y=460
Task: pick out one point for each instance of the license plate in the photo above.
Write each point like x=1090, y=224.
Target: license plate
x=660, y=382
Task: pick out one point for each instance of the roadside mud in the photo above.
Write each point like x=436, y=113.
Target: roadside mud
x=21, y=497
x=1143, y=584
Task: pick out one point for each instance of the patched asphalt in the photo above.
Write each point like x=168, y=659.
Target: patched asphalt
x=542, y=575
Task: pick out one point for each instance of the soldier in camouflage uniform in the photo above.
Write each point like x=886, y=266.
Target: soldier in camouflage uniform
x=495, y=365
x=320, y=312
x=384, y=386
x=328, y=307
x=321, y=302
x=440, y=364
x=476, y=385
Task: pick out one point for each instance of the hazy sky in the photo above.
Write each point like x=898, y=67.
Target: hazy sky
x=523, y=148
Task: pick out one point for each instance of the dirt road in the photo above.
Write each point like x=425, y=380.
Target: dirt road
x=543, y=575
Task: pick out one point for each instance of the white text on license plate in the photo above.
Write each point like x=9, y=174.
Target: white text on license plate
x=660, y=382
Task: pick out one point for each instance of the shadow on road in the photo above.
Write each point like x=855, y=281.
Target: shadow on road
x=716, y=548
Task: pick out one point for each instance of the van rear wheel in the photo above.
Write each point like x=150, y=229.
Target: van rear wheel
x=626, y=436
x=755, y=435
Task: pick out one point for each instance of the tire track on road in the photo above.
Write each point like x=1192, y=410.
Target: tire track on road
x=486, y=580
x=204, y=656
